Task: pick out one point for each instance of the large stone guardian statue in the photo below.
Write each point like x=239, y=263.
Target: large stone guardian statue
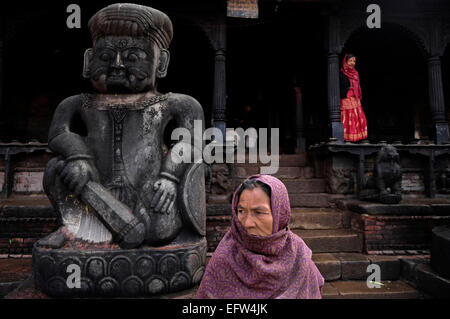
x=132, y=212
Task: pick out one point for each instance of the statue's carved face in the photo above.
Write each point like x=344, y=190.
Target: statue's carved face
x=121, y=64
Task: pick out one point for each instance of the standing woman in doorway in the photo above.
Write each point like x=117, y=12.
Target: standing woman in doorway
x=352, y=115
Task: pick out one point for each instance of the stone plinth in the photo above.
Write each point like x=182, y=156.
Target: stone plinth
x=114, y=272
x=404, y=226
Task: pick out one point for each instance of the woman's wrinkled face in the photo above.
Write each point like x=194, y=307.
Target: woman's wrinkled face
x=351, y=62
x=254, y=212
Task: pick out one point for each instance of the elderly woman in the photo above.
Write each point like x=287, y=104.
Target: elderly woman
x=259, y=257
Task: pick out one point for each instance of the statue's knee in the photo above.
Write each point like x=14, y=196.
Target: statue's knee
x=164, y=228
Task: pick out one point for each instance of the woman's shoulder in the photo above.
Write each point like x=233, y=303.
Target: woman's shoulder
x=300, y=246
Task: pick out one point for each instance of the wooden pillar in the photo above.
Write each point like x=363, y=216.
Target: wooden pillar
x=436, y=99
x=220, y=92
x=300, y=140
x=334, y=98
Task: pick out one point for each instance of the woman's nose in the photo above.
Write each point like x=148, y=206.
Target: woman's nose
x=249, y=221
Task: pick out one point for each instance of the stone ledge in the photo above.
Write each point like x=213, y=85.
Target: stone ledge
x=408, y=207
x=359, y=290
x=429, y=281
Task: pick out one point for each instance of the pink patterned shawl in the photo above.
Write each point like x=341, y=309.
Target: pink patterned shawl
x=250, y=266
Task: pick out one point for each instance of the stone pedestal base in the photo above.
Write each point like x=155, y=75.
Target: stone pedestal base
x=118, y=272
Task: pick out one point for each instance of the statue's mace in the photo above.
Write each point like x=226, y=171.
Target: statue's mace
x=127, y=230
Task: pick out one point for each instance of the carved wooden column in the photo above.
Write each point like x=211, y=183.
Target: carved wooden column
x=334, y=98
x=300, y=140
x=220, y=93
x=436, y=96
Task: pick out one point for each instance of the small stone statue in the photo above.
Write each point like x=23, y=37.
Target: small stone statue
x=385, y=184
x=132, y=213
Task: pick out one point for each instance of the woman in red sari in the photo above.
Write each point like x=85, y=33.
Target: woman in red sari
x=352, y=115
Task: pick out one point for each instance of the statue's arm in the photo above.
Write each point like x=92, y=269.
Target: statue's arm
x=61, y=139
x=77, y=167
x=188, y=114
x=185, y=110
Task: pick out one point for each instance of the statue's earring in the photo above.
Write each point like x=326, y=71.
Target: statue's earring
x=164, y=58
x=86, y=64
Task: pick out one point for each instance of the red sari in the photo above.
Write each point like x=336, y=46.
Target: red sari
x=352, y=115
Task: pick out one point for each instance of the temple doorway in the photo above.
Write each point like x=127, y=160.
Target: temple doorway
x=271, y=59
x=394, y=83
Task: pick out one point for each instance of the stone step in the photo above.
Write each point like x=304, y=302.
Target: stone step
x=26, y=206
x=310, y=218
x=303, y=185
x=297, y=186
x=315, y=200
x=285, y=160
x=353, y=266
x=397, y=289
x=23, y=220
x=287, y=172
x=13, y=271
x=334, y=240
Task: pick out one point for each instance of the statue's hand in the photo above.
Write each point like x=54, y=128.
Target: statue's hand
x=75, y=174
x=164, y=197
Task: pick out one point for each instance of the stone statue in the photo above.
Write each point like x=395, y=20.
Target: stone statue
x=132, y=213
x=385, y=184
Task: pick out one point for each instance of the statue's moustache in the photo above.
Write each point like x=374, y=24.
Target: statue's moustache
x=98, y=72
x=138, y=73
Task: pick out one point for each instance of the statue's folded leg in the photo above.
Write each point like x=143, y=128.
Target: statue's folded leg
x=160, y=228
x=77, y=220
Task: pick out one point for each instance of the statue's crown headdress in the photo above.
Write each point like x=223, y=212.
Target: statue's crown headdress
x=126, y=19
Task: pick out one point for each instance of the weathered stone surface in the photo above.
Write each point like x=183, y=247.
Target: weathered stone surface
x=285, y=160
x=431, y=282
x=218, y=209
x=120, y=272
x=353, y=266
x=314, y=185
x=408, y=266
x=293, y=159
x=328, y=265
x=309, y=200
x=408, y=207
x=390, y=290
x=440, y=250
x=389, y=265
x=315, y=219
x=329, y=291
x=12, y=272
x=336, y=240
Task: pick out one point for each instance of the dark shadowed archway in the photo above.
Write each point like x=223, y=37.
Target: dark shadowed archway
x=394, y=82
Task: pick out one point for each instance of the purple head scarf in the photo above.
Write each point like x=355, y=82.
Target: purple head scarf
x=251, y=266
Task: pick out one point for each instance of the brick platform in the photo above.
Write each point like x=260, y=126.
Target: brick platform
x=397, y=227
